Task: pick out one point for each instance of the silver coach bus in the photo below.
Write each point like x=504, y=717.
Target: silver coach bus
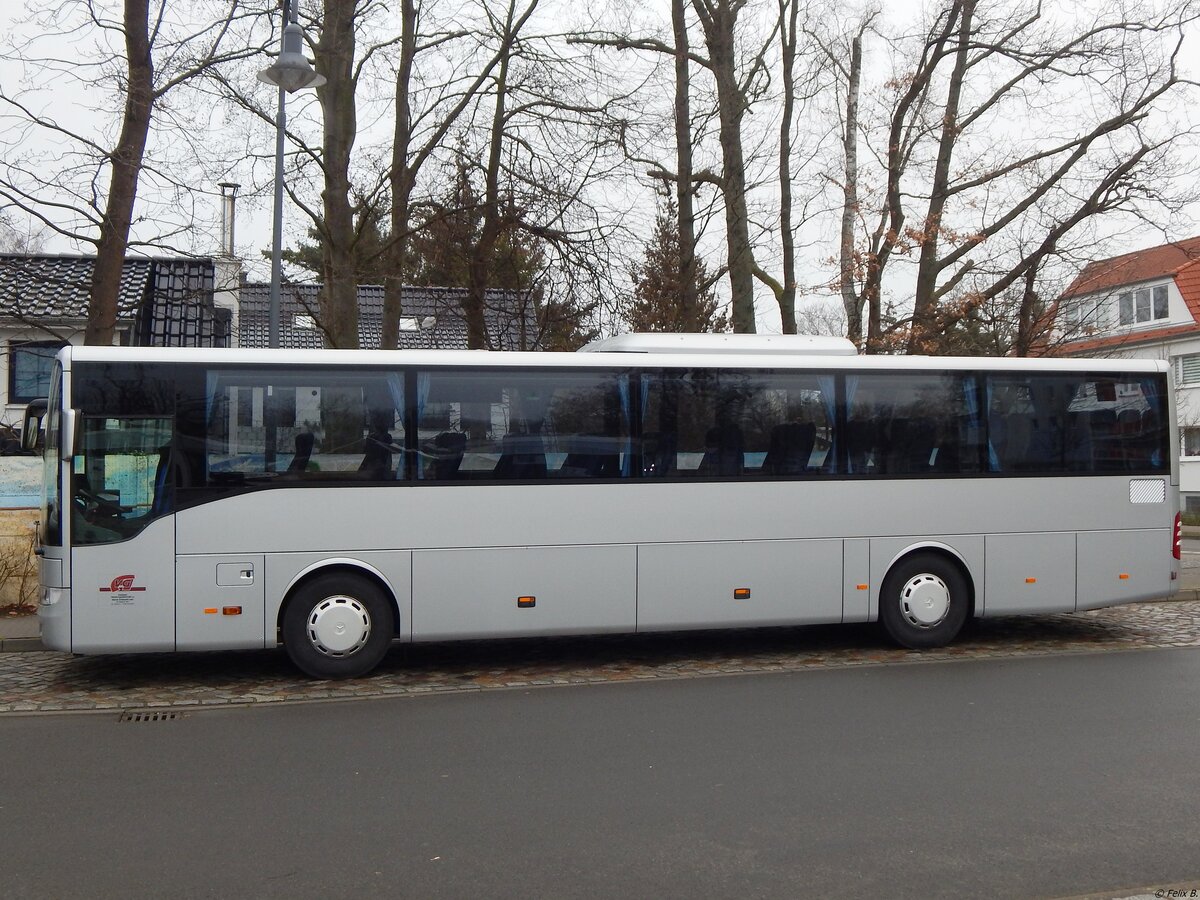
x=337, y=501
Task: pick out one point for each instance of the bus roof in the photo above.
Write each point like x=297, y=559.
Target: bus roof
x=598, y=359
x=791, y=344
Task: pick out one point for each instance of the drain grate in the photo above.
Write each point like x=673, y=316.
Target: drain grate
x=153, y=715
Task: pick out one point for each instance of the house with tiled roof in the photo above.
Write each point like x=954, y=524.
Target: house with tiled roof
x=431, y=318
x=162, y=302
x=1145, y=305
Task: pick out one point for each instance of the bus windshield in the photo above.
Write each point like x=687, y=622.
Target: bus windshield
x=120, y=481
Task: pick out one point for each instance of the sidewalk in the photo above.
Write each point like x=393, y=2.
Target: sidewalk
x=19, y=633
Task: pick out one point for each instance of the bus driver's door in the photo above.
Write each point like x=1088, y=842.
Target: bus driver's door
x=122, y=538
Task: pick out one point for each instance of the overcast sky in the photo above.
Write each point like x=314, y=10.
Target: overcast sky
x=197, y=206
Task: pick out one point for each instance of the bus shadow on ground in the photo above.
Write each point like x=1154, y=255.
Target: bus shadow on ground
x=256, y=676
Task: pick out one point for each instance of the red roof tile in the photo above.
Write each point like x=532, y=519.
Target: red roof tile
x=1187, y=279
x=1131, y=268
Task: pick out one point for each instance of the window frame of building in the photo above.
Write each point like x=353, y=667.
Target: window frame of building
x=1144, y=305
x=1187, y=369
x=19, y=348
x=1189, y=438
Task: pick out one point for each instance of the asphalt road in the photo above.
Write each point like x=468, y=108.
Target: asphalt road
x=1036, y=777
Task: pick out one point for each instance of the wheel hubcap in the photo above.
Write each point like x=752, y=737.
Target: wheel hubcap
x=925, y=601
x=339, y=626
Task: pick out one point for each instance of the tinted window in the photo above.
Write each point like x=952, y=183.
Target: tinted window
x=1077, y=423
x=498, y=425
x=125, y=389
x=722, y=424
x=912, y=424
x=320, y=426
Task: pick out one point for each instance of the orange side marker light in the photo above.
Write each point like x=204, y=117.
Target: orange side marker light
x=1031, y=581
x=231, y=611
x=1124, y=576
x=741, y=593
x=526, y=602
x=863, y=587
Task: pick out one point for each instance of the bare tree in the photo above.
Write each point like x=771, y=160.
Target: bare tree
x=17, y=240
x=784, y=290
x=548, y=147
x=334, y=57
x=964, y=191
x=417, y=138
x=94, y=201
x=841, y=55
x=735, y=85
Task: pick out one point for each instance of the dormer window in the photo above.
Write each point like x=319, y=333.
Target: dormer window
x=1143, y=305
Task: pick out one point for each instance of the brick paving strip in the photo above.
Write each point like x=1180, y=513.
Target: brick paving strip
x=52, y=682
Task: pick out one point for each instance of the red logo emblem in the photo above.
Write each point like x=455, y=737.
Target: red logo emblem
x=121, y=584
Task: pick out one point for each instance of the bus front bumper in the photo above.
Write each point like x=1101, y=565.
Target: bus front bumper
x=54, y=615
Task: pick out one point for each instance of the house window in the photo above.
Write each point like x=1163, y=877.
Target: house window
x=1085, y=316
x=1187, y=369
x=1189, y=438
x=1143, y=305
x=1160, y=301
x=29, y=364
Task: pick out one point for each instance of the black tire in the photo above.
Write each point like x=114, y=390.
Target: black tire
x=924, y=601
x=338, y=625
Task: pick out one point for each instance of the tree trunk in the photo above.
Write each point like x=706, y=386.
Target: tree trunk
x=788, y=12
x=718, y=20
x=402, y=179
x=925, y=296
x=126, y=161
x=684, y=189
x=852, y=300
x=335, y=60
x=481, y=256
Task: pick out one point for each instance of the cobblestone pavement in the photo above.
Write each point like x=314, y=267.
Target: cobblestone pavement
x=46, y=682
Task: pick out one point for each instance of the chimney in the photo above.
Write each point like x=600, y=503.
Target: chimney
x=229, y=191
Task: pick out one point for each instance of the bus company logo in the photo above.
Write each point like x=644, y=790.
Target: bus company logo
x=122, y=584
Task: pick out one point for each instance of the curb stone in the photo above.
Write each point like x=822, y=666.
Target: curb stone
x=21, y=645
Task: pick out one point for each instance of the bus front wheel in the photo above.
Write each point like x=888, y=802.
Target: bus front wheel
x=337, y=626
x=924, y=601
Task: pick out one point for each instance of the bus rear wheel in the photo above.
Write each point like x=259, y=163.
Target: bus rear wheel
x=924, y=601
x=337, y=626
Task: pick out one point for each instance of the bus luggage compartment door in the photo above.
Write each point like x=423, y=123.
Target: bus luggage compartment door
x=1029, y=573
x=523, y=591
x=1123, y=566
x=739, y=584
x=219, y=602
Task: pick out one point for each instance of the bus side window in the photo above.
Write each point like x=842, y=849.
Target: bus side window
x=791, y=448
x=526, y=426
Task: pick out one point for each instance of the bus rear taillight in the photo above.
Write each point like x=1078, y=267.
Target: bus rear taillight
x=1178, y=545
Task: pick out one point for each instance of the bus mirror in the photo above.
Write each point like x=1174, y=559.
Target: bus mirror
x=31, y=428
x=69, y=418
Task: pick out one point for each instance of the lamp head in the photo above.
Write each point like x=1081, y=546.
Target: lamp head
x=291, y=70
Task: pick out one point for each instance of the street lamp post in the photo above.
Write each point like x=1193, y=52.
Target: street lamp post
x=290, y=72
